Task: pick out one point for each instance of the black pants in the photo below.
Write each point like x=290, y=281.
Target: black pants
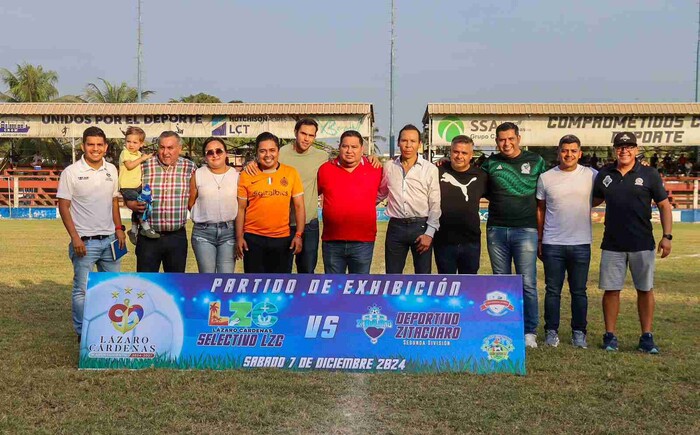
x=401, y=237
x=267, y=254
x=170, y=249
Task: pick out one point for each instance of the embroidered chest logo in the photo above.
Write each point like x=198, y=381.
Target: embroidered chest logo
x=639, y=182
x=499, y=167
x=607, y=180
x=448, y=178
x=525, y=168
x=284, y=182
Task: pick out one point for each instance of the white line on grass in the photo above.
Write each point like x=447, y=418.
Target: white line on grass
x=353, y=405
x=680, y=257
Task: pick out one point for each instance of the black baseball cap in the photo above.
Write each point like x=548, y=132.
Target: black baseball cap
x=625, y=139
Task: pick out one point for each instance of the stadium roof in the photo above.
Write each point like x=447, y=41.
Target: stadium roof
x=560, y=109
x=187, y=109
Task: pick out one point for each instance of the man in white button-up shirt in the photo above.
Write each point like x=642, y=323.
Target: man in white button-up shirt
x=411, y=184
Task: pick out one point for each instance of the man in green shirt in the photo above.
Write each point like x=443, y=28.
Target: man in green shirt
x=306, y=159
x=512, y=222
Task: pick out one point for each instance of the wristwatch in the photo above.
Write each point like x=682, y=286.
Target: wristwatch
x=668, y=236
x=120, y=227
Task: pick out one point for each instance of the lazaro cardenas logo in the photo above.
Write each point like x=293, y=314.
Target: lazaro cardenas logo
x=450, y=127
x=125, y=316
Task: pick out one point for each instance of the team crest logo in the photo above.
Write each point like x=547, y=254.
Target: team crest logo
x=124, y=316
x=525, y=168
x=607, y=180
x=374, y=323
x=497, y=304
x=639, y=182
x=284, y=182
x=497, y=347
x=624, y=138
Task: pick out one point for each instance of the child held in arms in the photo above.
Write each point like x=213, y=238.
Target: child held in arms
x=130, y=180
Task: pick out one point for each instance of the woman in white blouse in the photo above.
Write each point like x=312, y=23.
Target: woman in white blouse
x=214, y=208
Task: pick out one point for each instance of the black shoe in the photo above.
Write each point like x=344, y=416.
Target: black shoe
x=610, y=342
x=646, y=344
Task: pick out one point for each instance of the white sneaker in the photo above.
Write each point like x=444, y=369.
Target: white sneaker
x=531, y=340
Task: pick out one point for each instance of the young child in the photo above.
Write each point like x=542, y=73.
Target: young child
x=130, y=180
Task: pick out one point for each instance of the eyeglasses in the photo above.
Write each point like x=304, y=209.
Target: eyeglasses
x=624, y=148
x=217, y=151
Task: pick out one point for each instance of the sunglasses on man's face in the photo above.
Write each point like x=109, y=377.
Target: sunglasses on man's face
x=217, y=151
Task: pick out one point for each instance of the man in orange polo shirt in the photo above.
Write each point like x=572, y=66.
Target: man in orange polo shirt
x=262, y=224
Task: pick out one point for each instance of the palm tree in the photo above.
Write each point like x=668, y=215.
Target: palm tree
x=113, y=93
x=376, y=138
x=31, y=84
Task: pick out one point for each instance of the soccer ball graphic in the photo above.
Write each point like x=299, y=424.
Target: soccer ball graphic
x=153, y=317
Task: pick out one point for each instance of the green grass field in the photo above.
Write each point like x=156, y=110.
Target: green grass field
x=566, y=390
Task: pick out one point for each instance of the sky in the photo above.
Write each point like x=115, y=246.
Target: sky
x=339, y=51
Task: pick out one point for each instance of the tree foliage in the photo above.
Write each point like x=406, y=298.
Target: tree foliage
x=113, y=93
x=196, y=98
x=31, y=84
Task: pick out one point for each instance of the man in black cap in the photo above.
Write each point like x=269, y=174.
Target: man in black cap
x=628, y=187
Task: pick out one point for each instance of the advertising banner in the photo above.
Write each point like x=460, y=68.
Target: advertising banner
x=114, y=126
x=364, y=323
x=592, y=130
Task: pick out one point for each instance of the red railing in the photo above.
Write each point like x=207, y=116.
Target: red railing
x=682, y=191
x=28, y=187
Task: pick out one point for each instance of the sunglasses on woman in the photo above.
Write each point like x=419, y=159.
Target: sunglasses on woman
x=217, y=151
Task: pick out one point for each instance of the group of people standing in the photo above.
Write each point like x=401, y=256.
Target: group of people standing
x=267, y=215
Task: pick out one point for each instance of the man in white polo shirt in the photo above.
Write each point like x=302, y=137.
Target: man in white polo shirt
x=87, y=202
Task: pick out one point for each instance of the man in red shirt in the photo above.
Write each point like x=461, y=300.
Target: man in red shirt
x=349, y=185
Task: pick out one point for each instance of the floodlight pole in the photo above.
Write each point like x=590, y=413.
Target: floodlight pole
x=697, y=63
x=392, y=139
x=139, y=56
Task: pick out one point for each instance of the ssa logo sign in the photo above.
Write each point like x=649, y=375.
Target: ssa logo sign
x=450, y=127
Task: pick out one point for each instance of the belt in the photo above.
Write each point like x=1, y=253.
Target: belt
x=410, y=220
x=171, y=232
x=226, y=224
x=100, y=237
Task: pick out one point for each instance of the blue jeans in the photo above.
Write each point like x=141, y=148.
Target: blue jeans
x=462, y=258
x=213, y=246
x=401, y=235
x=98, y=253
x=572, y=261
x=356, y=257
x=308, y=257
x=519, y=246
